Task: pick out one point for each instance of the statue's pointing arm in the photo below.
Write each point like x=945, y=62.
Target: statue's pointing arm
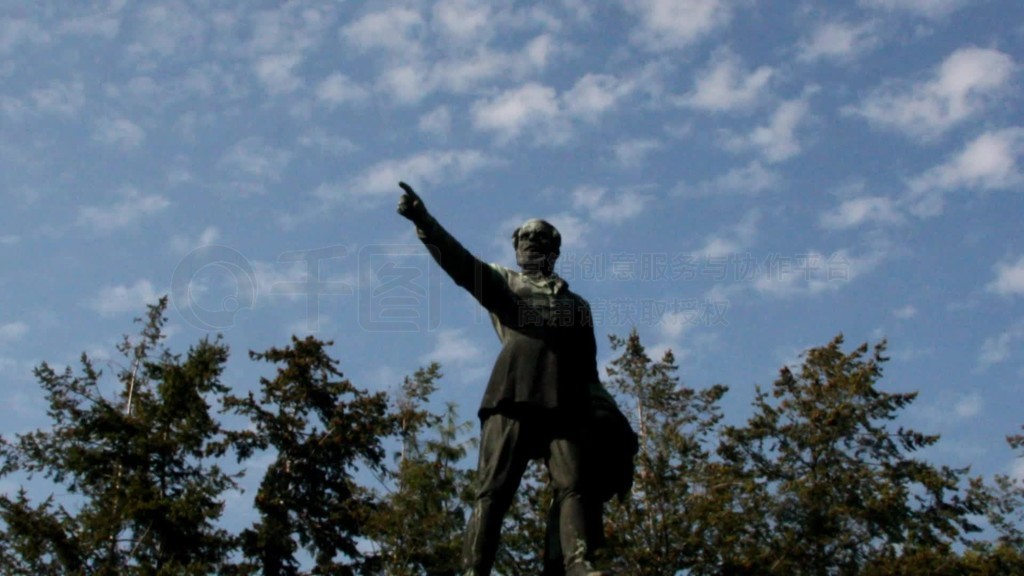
x=485, y=283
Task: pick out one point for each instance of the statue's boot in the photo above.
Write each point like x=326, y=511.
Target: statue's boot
x=573, y=536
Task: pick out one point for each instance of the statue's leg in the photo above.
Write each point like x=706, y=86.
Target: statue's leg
x=503, y=460
x=564, y=468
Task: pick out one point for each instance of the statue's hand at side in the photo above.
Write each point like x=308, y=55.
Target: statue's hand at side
x=410, y=206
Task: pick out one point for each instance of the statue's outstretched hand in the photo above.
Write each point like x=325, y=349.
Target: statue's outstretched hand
x=410, y=205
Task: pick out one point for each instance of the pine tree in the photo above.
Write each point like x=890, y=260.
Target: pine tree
x=142, y=467
x=418, y=530
x=320, y=430
x=832, y=488
x=658, y=529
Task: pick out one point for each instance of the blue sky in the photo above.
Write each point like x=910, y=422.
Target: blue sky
x=740, y=180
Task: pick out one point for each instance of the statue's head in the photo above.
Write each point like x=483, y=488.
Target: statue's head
x=537, y=245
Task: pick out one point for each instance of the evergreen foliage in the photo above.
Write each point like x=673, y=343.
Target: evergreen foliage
x=821, y=479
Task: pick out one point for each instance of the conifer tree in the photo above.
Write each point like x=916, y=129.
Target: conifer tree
x=320, y=430
x=140, y=467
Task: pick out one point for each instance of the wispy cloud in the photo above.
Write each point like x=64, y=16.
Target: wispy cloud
x=855, y=212
x=453, y=347
x=960, y=88
x=989, y=162
x=337, y=89
x=251, y=163
x=777, y=140
x=748, y=180
x=726, y=86
x=731, y=241
x=510, y=113
x=603, y=206
x=427, y=168
x=15, y=32
x=633, y=152
x=129, y=210
x=673, y=24
x=1009, y=280
x=125, y=298
x=120, y=133
x=59, y=97
x=12, y=332
x=546, y=115
x=837, y=41
x=1000, y=348
x=926, y=8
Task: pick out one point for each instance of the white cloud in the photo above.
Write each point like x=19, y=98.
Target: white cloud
x=452, y=347
x=437, y=122
x=969, y=405
x=814, y=272
x=181, y=244
x=905, y=313
x=12, y=331
x=960, y=88
x=327, y=144
x=776, y=141
x=120, y=133
x=633, y=152
x=105, y=24
x=513, y=111
x=858, y=211
x=989, y=162
x=839, y=41
x=927, y=8
x=15, y=32
x=749, y=180
x=64, y=98
x=277, y=72
x=725, y=86
x=733, y=241
x=407, y=84
x=125, y=298
x=425, y=169
x=393, y=30
x=998, y=349
x=595, y=94
x=610, y=208
x=1009, y=279
x=548, y=115
x=672, y=24
x=166, y=29
x=130, y=209
x=252, y=162
x=463, y=21
x=338, y=89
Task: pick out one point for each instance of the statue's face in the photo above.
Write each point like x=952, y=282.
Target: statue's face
x=536, y=246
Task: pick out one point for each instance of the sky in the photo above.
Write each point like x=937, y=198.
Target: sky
x=738, y=180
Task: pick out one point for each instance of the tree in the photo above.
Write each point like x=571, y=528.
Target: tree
x=418, y=528
x=321, y=430
x=833, y=489
x=143, y=467
x=659, y=527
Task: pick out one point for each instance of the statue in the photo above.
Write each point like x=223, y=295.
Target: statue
x=538, y=398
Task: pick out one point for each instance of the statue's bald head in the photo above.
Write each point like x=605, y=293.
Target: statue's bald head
x=537, y=245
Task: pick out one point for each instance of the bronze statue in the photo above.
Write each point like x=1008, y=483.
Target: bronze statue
x=538, y=397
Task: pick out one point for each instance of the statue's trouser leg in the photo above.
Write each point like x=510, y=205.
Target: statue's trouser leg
x=564, y=468
x=504, y=456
